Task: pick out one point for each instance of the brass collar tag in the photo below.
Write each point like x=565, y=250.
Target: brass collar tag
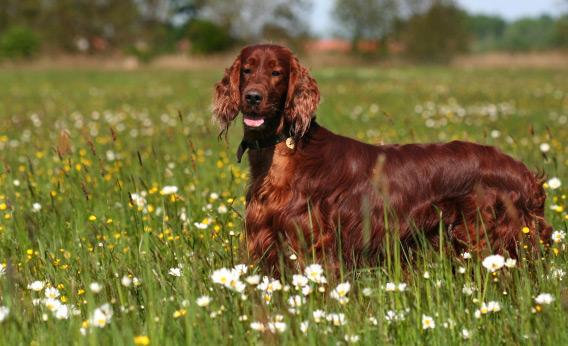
x=290, y=143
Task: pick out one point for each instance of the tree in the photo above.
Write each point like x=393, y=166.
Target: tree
x=288, y=24
x=530, y=34
x=248, y=19
x=365, y=19
x=410, y=8
x=438, y=34
x=146, y=26
x=60, y=23
x=487, y=31
x=207, y=37
x=483, y=26
x=561, y=37
x=19, y=13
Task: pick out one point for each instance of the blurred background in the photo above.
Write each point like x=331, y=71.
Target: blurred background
x=191, y=33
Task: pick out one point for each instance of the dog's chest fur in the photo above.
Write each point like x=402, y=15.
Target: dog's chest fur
x=272, y=212
x=272, y=172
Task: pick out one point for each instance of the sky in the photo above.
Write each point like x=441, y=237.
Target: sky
x=508, y=9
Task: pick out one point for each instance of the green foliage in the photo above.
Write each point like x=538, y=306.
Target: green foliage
x=288, y=25
x=487, y=31
x=483, y=26
x=363, y=19
x=207, y=37
x=526, y=34
x=118, y=23
x=122, y=25
x=561, y=34
x=530, y=34
x=436, y=35
x=160, y=40
x=19, y=42
x=246, y=20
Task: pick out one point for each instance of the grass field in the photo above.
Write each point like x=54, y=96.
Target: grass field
x=115, y=211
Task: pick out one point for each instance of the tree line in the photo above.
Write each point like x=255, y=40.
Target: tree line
x=436, y=30
x=432, y=30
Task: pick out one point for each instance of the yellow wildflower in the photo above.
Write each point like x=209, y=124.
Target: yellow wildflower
x=141, y=340
x=180, y=313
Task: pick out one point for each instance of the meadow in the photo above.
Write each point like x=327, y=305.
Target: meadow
x=121, y=214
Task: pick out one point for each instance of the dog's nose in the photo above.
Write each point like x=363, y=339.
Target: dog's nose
x=253, y=97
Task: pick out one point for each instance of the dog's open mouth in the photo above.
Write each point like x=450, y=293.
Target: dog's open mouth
x=253, y=122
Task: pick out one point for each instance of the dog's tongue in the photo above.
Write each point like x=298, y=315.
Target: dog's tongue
x=254, y=122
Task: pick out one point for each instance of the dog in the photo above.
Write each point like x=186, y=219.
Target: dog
x=332, y=199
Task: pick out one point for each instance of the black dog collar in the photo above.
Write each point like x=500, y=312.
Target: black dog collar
x=270, y=141
x=259, y=144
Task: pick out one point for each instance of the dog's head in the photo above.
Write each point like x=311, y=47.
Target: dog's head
x=267, y=84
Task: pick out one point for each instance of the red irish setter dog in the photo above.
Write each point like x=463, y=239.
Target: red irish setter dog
x=333, y=199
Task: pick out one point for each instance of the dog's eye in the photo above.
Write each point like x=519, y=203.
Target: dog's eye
x=276, y=73
x=247, y=70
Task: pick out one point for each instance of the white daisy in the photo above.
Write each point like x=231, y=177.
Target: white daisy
x=296, y=301
x=277, y=327
x=269, y=285
x=36, y=286
x=95, y=287
x=558, y=236
x=336, y=319
x=101, y=316
x=314, y=272
x=390, y=287
x=510, y=263
x=554, y=183
x=222, y=209
x=304, y=326
x=51, y=292
x=62, y=312
x=428, y=322
x=544, y=299
x=493, y=306
x=339, y=293
x=36, y=207
x=175, y=271
x=318, y=315
x=52, y=304
x=203, y=301
x=126, y=281
x=253, y=280
x=493, y=263
x=299, y=281
x=259, y=327
x=352, y=338
x=169, y=190
x=4, y=312
x=241, y=269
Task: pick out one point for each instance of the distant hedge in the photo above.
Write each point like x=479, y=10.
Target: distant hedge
x=18, y=42
x=208, y=37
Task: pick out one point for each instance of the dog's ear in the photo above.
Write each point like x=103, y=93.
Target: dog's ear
x=302, y=99
x=226, y=102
